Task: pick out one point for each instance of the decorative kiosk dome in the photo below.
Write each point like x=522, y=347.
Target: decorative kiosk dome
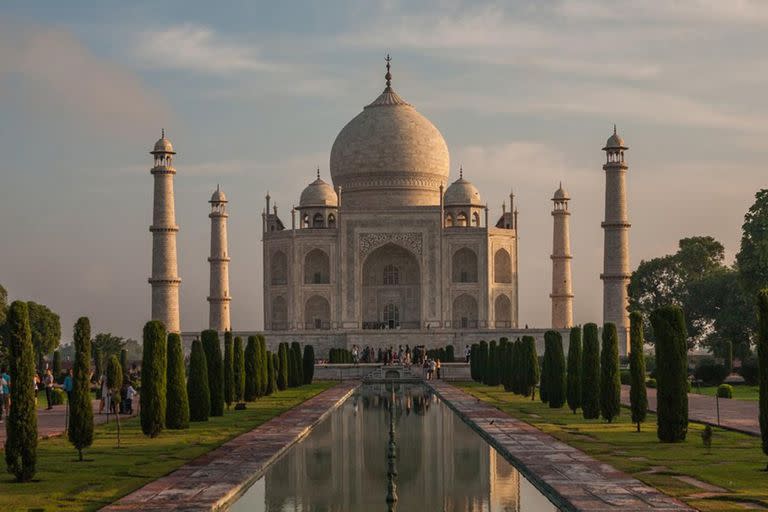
x=561, y=194
x=318, y=194
x=462, y=193
x=218, y=196
x=615, y=141
x=163, y=145
x=389, y=156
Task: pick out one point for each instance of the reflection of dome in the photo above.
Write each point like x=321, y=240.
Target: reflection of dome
x=462, y=193
x=318, y=193
x=218, y=196
x=561, y=193
x=163, y=145
x=614, y=141
x=389, y=147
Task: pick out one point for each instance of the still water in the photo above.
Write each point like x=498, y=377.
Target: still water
x=441, y=463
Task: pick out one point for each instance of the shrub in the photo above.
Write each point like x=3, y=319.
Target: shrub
x=762, y=357
x=21, y=429
x=625, y=376
x=198, y=390
x=710, y=372
x=638, y=395
x=229, y=369
x=154, y=366
x=115, y=384
x=271, y=373
x=262, y=365
x=651, y=383
x=177, y=400
x=590, y=373
x=212, y=347
x=672, y=373
x=543, y=395
x=610, y=383
x=98, y=370
x=574, y=369
x=749, y=370
x=80, y=431
x=555, y=364
x=57, y=396
x=239, y=369
x=529, y=362
x=252, y=372
x=282, y=366
x=308, y=362
x=450, y=355
x=725, y=391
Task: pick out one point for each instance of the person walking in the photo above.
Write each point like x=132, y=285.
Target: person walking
x=67, y=387
x=5, y=393
x=129, y=394
x=104, y=402
x=437, y=368
x=48, y=382
x=467, y=353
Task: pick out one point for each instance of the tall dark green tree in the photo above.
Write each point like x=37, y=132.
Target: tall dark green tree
x=124, y=361
x=555, y=364
x=45, y=327
x=671, y=373
x=543, y=394
x=492, y=372
x=296, y=347
x=229, y=369
x=638, y=397
x=80, y=431
x=282, y=366
x=482, y=360
x=529, y=361
x=262, y=366
x=212, y=347
x=108, y=345
x=590, y=373
x=728, y=356
x=114, y=384
x=56, y=363
x=762, y=364
x=271, y=373
x=752, y=258
x=239, y=369
x=198, y=389
x=574, y=369
x=308, y=361
x=251, y=371
x=98, y=367
x=21, y=430
x=154, y=368
x=473, y=357
x=177, y=399
x=610, y=380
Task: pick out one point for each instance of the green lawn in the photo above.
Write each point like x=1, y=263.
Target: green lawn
x=740, y=391
x=735, y=461
x=109, y=473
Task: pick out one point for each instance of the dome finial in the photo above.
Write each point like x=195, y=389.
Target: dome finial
x=162, y=133
x=614, y=128
x=388, y=76
x=461, y=172
x=318, y=172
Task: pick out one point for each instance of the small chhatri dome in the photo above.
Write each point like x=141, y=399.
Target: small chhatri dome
x=615, y=141
x=163, y=145
x=218, y=196
x=318, y=194
x=561, y=194
x=462, y=193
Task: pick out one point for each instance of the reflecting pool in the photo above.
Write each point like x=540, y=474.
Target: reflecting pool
x=441, y=464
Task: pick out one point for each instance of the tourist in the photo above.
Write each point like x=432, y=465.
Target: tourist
x=437, y=368
x=467, y=353
x=426, y=366
x=5, y=393
x=104, y=402
x=67, y=385
x=36, y=383
x=129, y=394
x=355, y=354
x=48, y=382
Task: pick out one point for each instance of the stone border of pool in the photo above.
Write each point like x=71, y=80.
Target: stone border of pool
x=219, y=477
x=569, y=478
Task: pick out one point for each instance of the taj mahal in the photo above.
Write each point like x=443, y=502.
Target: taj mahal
x=391, y=250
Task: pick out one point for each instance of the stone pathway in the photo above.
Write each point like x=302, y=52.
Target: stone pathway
x=571, y=479
x=739, y=415
x=51, y=423
x=217, y=478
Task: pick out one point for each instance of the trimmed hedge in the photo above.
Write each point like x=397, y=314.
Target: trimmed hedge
x=672, y=373
x=212, y=347
x=574, y=369
x=56, y=364
x=198, y=390
x=340, y=356
x=651, y=383
x=261, y=365
x=238, y=363
x=638, y=395
x=725, y=391
x=555, y=369
x=529, y=365
x=282, y=366
x=271, y=373
x=229, y=369
x=590, y=373
x=492, y=369
x=610, y=381
x=154, y=366
x=750, y=371
x=482, y=361
x=308, y=361
x=80, y=431
x=177, y=400
x=473, y=366
x=710, y=372
x=252, y=373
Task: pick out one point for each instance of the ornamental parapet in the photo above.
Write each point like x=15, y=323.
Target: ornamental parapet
x=615, y=224
x=619, y=275
x=164, y=280
x=218, y=299
x=164, y=229
x=162, y=169
x=213, y=259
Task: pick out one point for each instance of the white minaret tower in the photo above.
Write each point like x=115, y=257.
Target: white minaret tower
x=219, y=295
x=616, y=273
x=562, y=289
x=165, y=279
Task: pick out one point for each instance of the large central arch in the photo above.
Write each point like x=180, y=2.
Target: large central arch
x=391, y=280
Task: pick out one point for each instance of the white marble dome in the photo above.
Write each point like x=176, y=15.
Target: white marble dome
x=462, y=193
x=318, y=193
x=615, y=141
x=218, y=196
x=561, y=193
x=163, y=145
x=389, y=156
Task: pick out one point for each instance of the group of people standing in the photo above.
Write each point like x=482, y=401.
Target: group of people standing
x=402, y=355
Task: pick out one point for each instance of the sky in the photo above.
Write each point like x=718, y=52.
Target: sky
x=253, y=94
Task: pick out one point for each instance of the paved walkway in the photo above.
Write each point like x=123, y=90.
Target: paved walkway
x=571, y=479
x=51, y=423
x=216, y=478
x=740, y=415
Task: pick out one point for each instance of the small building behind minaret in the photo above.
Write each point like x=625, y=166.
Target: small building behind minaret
x=616, y=226
x=219, y=298
x=165, y=279
x=562, y=288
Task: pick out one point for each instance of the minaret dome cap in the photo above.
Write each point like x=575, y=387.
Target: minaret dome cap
x=615, y=141
x=561, y=194
x=163, y=145
x=218, y=196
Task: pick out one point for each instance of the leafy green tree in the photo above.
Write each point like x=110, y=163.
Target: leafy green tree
x=198, y=390
x=308, y=362
x=728, y=356
x=114, y=384
x=574, y=369
x=271, y=373
x=46, y=331
x=610, y=380
x=215, y=364
x=177, y=405
x=98, y=369
x=251, y=370
x=555, y=365
x=638, y=396
x=530, y=366
x=108, y=345
x=229, y=369
x=752, y=258
x=671, y=373
x=80, y=431
x=21, y=430
x=590, y=373
x=239, y=369
x=762, y=361
x=154, y=367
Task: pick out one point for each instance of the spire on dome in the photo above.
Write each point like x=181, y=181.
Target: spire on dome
x=162, y=133
x=318, y=172
x=614, y=128
x=388, y=76
x=461, y=172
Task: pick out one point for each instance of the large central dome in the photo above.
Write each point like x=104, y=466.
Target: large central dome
x=389, y=156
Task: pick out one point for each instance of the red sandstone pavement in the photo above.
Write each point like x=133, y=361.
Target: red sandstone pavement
x=51, y=423
x=740, y=415
x=218, y=477
x=570, y=478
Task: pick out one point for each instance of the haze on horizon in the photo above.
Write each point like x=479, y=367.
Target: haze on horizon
x=252, y=97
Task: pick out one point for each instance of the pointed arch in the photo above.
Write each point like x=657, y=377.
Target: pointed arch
x=278, y=268
x=317, y=267
x=502, y=267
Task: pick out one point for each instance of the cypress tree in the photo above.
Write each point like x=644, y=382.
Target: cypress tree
x=262, y=365
x=115, y=383
x=177, y=400
x=670, y=335
x=516, y=367
x=212, y=349
x=296, y=347
x=727, y=356
x=762, y=363
x=98, y=370
x=80, y=431
x=198, y=390
x=56, y=364
x=124, y=361
x=574, y=369
x=482, y=361
x=610, y=380
x=492, y=372
x=473, y=355
x=529, y=363
x=239, y=370
x=590, y=373
x=506, y=365
x=271, y=373
x=153, y=374
x=308, y=362
x=543, y=395
x=638, y=398
x=282, y=366
x=251, y=370
x=556, y=387
x=21, y=430
x=229, y=369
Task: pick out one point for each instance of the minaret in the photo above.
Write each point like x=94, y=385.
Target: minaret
x=219, y=298
x=165, y=279
x=562, y=289
x=616, y=273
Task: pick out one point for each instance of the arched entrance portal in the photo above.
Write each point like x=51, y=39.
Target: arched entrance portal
x=391, y=283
